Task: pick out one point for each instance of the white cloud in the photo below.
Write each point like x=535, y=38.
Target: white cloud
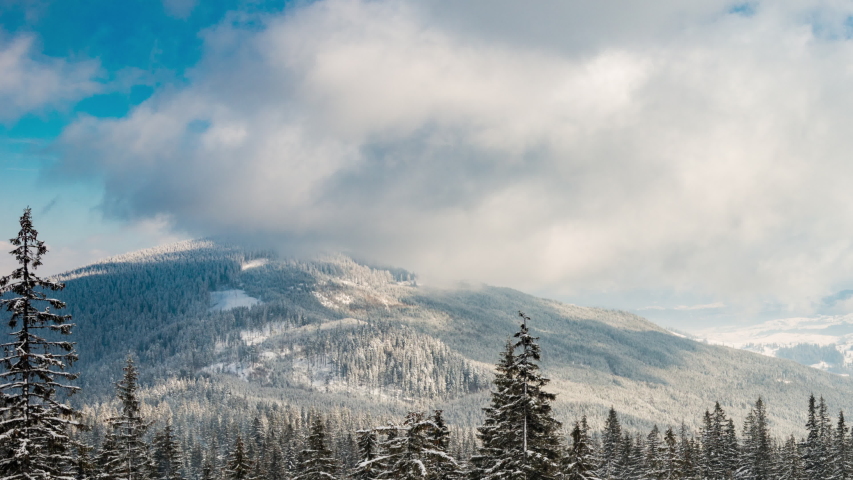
x=671, y=146
x=30, y=82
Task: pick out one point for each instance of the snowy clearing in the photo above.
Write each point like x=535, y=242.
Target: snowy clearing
x=228, y=299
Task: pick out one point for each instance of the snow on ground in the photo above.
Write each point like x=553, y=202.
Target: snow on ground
x=768, y=337
x=228, y=299
x=258, y=262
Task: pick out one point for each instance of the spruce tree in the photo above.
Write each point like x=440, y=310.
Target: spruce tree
x=580, y=462
x=790, y=463
x=610, y=442
x=35, y=421
x=654, y=461
x=757, y=455
x=688, y=468
x=126, y=454
x=519, y=435
x=840, y=457
x=315, y=460
x=167, y=455
x=670, y=455
x=813, y=452
x=368, y=449
x=412, y=452
x=239, y=467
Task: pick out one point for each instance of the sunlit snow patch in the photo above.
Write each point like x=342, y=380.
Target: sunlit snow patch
x=228, y=299
x=258, y=262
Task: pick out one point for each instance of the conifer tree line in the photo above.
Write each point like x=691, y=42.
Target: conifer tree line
x=43, y=438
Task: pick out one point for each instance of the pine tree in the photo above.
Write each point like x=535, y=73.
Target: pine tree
x=655, y=468
x=84, y=467
x=610, y=442
x=670, y=456
x=790, y=464
x=687, y=455
x=440, y=463
x=167, y=455
x=316, y=462
x=126, y=455
x=412, y=452
x=813, y=454
x=239, y=467
x=840, y=456
x=368, y=449
x=757, y=455
x=580, y=462
x=34, y=423
x=519, y=436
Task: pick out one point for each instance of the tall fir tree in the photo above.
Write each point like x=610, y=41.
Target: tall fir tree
x=239, y=466
x=368, y=449
x=315, y=460
x=35, y=420
x=413, y=452
x=671, y=466
x=789, y=465
x=610, y=441
x=519, y=435
x=126, y=455
x=654, y=461
x=688, y=467
x=814, y=455
x=840, y=455
x=580, y=461
x=168, y=459
x=757, y=453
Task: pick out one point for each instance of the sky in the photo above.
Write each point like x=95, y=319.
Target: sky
x=688, y=161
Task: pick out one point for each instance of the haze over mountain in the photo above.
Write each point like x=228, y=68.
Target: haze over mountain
x=207, y=319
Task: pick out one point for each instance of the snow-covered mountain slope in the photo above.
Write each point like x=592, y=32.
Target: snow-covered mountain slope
x=824, y=342
x=339, y=333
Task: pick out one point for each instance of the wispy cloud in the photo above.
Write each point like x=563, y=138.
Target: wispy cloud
x=30, y=82
x=706, y=306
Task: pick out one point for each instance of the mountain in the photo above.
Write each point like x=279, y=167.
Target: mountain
x=220, y=331
x=824, y=342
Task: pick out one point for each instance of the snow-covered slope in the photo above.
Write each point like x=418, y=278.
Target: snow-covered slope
x=823, y=342
x=333, y=331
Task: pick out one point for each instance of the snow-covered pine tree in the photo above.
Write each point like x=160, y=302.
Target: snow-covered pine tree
x=168, y=459
x=580, y=462
x=655, y=467
x=84, y=466
x=636, y=469
x=239, y=467
x=315, y=460
x=440, y=463
x=670, y=455
x=757, y=454
x=840, y=454
x=687, y=455
x=368, y=449
x=412, y=454
x=610, y=442
x=126, y=454
x=519, y=435
x=813, y=448
x=34, y=423
x=790, y=464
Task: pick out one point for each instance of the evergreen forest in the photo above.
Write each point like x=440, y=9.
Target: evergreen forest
x=306, y=415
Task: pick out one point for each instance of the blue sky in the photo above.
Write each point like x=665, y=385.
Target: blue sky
x=684, y=160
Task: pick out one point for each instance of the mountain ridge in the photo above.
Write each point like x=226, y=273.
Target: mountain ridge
x=438, y=345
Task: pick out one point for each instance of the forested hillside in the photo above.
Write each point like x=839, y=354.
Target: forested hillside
x=224, y=354
x=333, y=331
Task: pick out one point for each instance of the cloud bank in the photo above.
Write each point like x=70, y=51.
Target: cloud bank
x=594, y=146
